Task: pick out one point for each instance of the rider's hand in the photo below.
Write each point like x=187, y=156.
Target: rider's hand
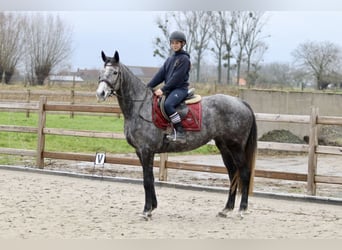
x=158, y=92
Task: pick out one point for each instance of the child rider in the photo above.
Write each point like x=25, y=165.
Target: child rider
x=175, y=75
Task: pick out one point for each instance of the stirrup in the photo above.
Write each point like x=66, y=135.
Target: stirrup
x=174, y=137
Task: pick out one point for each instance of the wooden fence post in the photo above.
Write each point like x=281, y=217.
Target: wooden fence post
x=72, y=102
x=312, y=162
x=28, y=101
x=41, y=136
x=163, y=167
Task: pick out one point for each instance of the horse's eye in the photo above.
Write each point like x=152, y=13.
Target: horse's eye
x=115, y=73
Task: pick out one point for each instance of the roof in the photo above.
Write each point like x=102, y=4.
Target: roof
x=61, y=78
x=145, y=73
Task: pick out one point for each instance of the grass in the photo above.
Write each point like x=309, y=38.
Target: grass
x=74, y=144
x=64, y=143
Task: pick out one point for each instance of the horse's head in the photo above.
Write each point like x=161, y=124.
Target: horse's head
x=109, y=80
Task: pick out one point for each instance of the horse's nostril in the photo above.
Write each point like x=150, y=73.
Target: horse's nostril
x=100, y=95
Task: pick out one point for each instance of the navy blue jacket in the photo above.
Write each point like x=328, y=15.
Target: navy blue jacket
x=174, y=72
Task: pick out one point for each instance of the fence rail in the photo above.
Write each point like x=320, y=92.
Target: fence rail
x=43, y=107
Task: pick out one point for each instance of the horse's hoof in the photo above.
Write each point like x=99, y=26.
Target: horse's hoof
x=242, y=213
x=147, y=215
x=223, y=213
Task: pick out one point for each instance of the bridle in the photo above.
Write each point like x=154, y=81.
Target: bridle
x=115, y=86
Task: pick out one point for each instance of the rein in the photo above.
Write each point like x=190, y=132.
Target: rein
x=117, y=85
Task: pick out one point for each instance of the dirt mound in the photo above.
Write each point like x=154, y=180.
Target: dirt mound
x=330, y=135
x=327, y=135
x=281, y=135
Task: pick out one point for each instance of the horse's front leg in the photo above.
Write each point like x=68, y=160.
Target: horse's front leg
x=146, y=159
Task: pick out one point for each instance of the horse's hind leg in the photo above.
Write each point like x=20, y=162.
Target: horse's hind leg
x=243, y=175
x=231, y=168
x=146, y=158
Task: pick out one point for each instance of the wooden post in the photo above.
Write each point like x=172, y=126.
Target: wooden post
x=312, y=162
x=163, y=167
x=41, y=136
x=28, y=101
x=72, y=102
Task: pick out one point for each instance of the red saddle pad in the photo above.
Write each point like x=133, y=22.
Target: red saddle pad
x=191, y=122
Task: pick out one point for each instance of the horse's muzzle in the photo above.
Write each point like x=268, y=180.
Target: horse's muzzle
x=101, y=92
x=101, y=96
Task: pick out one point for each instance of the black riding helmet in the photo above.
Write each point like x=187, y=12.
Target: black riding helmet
x=178, y=35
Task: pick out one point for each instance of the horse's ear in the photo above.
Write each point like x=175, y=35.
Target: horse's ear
x=116, y=56
x=103, y=55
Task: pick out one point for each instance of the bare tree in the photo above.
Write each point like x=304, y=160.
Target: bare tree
x=227, y=22
x=255, y=46
x=301, y=79
x=276, y=74
x=184, y=22
x=247, y=26
x=220, y=41
x=241, y=29
x=11, y=43
x=196, y=25
x=162, y=44
x=199, y=23
x=321, y=59
x=221, y=32
x=48, y=44
x=254, y=61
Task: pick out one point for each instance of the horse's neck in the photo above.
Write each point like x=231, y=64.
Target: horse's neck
x=134, y=94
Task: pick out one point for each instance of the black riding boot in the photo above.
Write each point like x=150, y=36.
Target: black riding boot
x=178, y=134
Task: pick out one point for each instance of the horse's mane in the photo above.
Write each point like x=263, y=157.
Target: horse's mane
x=136, y=86
x=130, y=75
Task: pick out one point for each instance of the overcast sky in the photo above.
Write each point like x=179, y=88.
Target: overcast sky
x=129, y=26
x=132, y=32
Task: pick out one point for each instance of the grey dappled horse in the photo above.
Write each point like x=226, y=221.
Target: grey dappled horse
x=227, y=120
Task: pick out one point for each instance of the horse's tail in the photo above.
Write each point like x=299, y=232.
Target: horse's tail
x=251, y=149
